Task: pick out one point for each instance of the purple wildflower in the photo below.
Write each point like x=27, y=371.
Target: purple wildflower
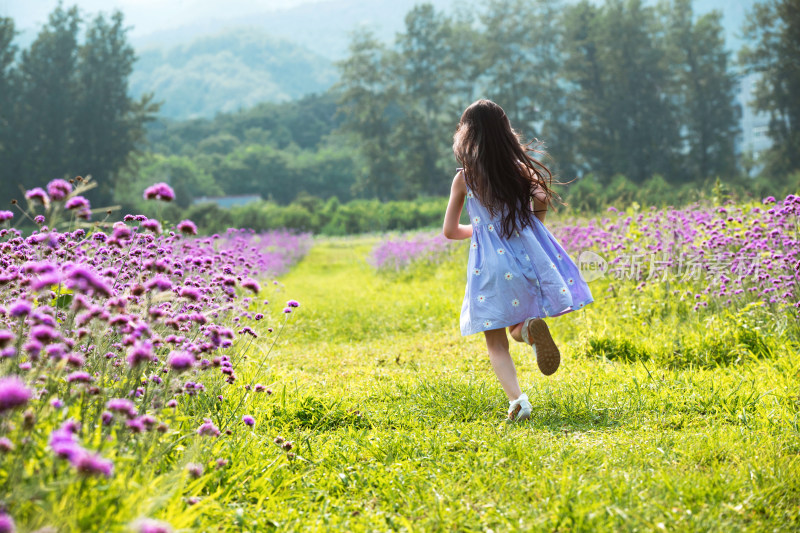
x=180, y=361
x=252, y=285
x=92, y=464
x=153, y=225
x=287, y=310
x=57, y=403
x=141, y=351
x=79, y=377
x=187, y=227
x=293, y=303
x=6, y=445
x=7, y=523
x=5, y=337
x=159, y=282
x=122, y=406
x=6, y=215
x=19, y=309
x=249, y=420
x=195, y=469
x=37, y=193
x=208, y=428
x=159, y=191
x=58, y=189
x=149, y=525
x=77, y=202
x=13, y=393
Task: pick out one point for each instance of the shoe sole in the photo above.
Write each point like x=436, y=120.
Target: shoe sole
x=517, y=417
x=548, y=358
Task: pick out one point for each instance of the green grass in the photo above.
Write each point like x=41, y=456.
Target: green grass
x=658, y=419
x=399, y=421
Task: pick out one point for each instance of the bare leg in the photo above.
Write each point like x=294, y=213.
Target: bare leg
x=502, y=364
x=516, y=332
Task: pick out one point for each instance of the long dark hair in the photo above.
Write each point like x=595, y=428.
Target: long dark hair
x=498, y=167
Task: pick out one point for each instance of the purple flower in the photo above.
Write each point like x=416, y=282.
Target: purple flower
x=37, y=193
x=160, y=283
x=153, y=526
x=287, y=310
x=57, y=403
x=19, y=308
x=190, y=293
x=58, y=189
x=187, y=227
x=252, y=285
x=122, y=406
x=293, y=303
x=6, y=445
x=77, y=202
x=13, y=393
x=208, y=428
x=83, y=279
x=195, y=469
x=44, y=334
x=7, y=524
x=172, y=403
x=249, y=420
x=79, y=377
x=39, y=219
x=180, y=361
x=6, y=215
x=5, y=337
x=92, y=464
x=159, y=191
x=141, y=351
x=153, y=225
x=106, y=418
x=63, y=444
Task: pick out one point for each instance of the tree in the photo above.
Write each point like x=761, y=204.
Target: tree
x=46, y=116
x=109, y=124
x=705, y=88
x=775, y=28
x=7, y=104
x=424, y=74
x=617, y=67
x=366, y=94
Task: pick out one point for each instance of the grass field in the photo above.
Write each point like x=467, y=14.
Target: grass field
x=380, y=416
x=398, y=422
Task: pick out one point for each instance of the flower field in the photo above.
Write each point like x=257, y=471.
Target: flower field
x=120, y=341
x=150, y=380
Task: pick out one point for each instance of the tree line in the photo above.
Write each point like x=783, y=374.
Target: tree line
x=621, y=93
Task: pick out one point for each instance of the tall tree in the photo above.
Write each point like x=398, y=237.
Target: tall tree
x=48, y=87
x=7, y=104
x=617, y=63
x=110, y=124
x=425, y=74
x=705, y=89
x=366, y=94
x=774, y=27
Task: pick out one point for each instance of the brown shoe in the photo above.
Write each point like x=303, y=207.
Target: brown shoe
x=544, y=348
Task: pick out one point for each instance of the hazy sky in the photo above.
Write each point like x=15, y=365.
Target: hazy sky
x=146, y=16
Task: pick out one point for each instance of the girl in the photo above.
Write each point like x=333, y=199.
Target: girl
x=517, y=270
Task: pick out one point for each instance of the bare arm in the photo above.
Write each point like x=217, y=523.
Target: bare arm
x=540, y=201
x=451, y=228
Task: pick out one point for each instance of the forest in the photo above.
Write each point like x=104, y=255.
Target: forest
x=630, y=101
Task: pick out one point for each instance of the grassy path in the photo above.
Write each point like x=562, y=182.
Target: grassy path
x=398, y=421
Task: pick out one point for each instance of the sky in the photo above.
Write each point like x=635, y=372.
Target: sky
x=146, y=16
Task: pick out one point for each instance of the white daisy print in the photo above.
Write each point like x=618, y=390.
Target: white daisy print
x=527, y=258
x=470, y=195
x=487, y=323
x=553, y=266
x=490, y=227
x=474, y=245
x=476, y=271
x=481, y=298
x=563, y=290
x=516, y=232
x=509, y=276
x=559, y=256
x=515, y=302
x=571, y=281
x=501, y=251
x=477, y=220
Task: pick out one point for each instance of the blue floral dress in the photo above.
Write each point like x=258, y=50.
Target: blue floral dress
x=511, y=279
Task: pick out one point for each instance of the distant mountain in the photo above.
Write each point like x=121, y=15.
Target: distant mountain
x=230, y=70
x=215, y=66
